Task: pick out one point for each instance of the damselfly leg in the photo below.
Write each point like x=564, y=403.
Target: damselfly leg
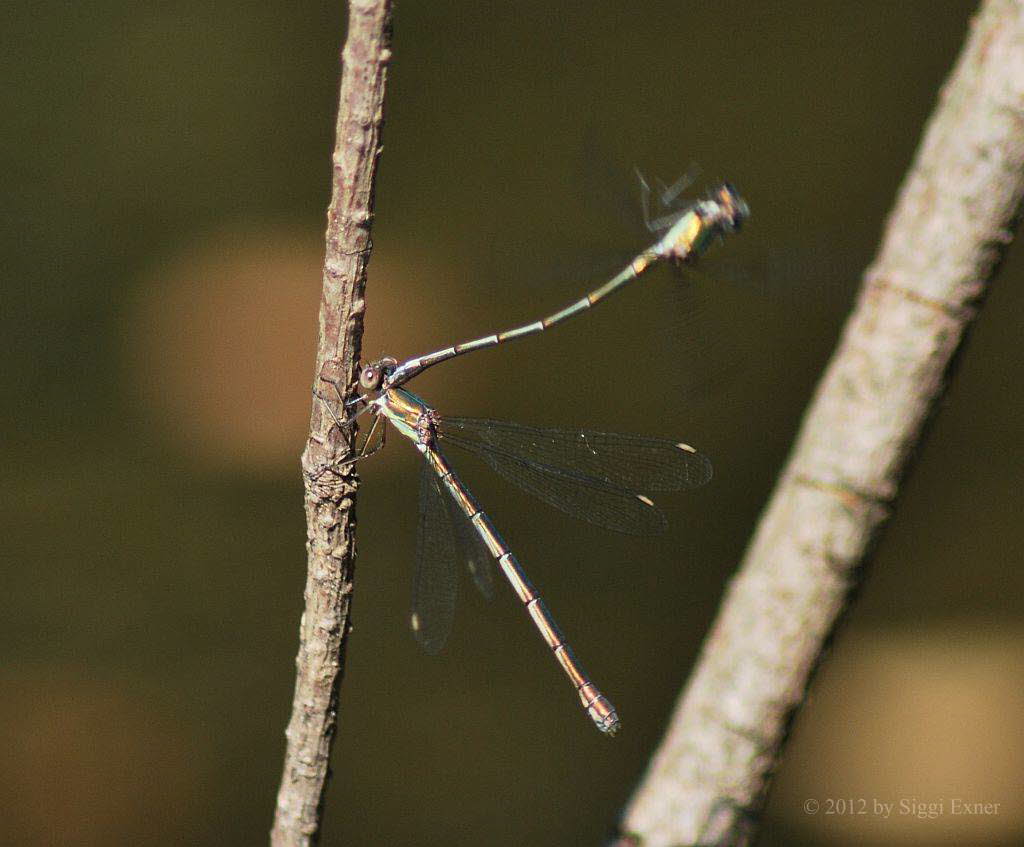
x=363, y=450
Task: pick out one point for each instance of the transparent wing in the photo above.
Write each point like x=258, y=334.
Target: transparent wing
x=472, y=549
x=594, y=476
x=435, y=587
x=635, y=462
x=668, y=197
x=444, y=537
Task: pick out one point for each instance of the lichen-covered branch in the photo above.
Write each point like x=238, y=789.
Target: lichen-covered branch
x=330, y=493
x=954, y=214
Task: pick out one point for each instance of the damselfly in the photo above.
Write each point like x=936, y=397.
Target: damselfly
x=598, y=477
x=687, y=235
x=602, y=478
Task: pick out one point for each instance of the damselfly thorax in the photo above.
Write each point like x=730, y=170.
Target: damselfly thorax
x=408, y=414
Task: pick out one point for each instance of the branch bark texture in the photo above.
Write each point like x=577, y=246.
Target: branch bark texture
x=953, y=216
x=330, y=493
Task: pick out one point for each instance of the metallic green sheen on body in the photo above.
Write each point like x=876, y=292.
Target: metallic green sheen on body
x=405, y=410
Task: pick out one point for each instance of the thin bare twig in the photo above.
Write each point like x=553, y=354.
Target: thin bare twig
x=330, y=493
x=708, y=780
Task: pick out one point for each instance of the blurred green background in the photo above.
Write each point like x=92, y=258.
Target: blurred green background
x=166, y=171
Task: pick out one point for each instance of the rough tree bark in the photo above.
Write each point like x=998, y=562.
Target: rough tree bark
x=953, y=217
x=329, y=493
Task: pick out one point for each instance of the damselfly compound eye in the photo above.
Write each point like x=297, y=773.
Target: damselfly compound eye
x=734, y=205
x=369, y=379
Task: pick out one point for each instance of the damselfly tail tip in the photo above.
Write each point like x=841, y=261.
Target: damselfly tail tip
x=604, y=716
x=609, y=725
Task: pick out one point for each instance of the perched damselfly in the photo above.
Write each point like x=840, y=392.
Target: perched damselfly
x=599, y=477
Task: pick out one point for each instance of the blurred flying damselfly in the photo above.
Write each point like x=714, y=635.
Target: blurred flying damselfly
x=687, y=235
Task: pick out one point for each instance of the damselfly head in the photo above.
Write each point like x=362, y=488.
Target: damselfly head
x=734, y=208
x=371, y=376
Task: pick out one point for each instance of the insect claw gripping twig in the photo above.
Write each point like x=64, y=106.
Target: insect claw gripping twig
x=327, y=406
x=347, y=422
x=346, y=404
